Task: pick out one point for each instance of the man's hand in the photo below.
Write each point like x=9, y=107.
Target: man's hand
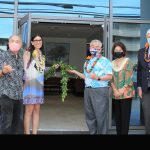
x=71, y=71
x=94, y=76
x=7, y=69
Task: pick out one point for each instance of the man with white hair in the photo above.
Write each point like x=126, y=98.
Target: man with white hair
x=97, y=74
x=11, y=83
x=143, y=80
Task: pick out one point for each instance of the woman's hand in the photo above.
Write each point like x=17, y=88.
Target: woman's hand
x=122, y=90
x=26, y=58
x=117, y=94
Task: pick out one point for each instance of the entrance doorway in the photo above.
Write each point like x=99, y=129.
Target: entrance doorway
x=75, y=38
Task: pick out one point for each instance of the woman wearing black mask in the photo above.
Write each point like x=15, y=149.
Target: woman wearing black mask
x=122, y=87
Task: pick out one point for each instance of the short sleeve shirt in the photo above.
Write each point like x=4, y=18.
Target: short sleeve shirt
x=102, y=68
x=11, y=84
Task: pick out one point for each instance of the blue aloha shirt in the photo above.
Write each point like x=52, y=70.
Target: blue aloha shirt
x=102, y=67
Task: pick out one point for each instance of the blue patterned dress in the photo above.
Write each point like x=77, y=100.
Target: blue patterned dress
x=33, y=92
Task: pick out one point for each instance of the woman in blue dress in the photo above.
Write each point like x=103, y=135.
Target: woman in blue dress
x=33, y=93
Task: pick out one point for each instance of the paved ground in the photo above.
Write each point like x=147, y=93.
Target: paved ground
x=67, y=117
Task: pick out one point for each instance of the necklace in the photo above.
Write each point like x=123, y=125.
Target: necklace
x=118, y=62
x=39, y=60
x=94, y=63
x=146, y=53
x=117, y=66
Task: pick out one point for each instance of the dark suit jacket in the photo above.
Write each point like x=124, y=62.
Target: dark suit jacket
x=142, y=71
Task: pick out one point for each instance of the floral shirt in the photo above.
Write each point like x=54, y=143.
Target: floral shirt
x=122, y=77
x=101, y=68
x=11, y=84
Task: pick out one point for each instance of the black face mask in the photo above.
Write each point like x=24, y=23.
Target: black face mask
x=118, y=54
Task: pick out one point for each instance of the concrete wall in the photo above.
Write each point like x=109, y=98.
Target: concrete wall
x=77, y=49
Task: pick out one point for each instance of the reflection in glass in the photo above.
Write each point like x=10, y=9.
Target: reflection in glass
x=56, y=52
x=130, y=35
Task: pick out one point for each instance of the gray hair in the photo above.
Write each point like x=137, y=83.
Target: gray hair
x=148, y=31
x=96, y=41
x=16, y=35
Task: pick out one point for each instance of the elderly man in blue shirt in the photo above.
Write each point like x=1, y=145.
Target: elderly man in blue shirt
x=97, y=74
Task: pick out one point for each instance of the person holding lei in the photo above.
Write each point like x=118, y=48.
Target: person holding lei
x=33, y=92
x=143, y=80
x=97, y=74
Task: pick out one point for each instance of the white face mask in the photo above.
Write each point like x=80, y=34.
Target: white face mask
x=148, y=40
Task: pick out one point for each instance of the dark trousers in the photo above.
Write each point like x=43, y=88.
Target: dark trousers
x=11, y=116
x=122, y=109
x=146, y=110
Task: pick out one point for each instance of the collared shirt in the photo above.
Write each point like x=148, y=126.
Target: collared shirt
x=11, y=83
x=102, y=67
x=149, y=53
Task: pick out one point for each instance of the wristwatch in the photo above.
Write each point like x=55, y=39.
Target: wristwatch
x=99, y=79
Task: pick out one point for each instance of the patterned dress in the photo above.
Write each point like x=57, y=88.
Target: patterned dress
x=33, y=92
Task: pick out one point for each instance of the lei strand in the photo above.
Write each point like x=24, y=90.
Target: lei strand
x=40, y=60
x=87, y=63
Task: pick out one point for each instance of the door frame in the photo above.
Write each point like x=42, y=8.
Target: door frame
x=105, y=21
x=29, y=18
x=25, y=22
x=130, y=21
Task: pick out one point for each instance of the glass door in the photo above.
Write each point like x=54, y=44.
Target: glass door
x=132, y=34
x=25, y=30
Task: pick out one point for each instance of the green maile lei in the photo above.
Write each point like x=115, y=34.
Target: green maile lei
x=64, y=76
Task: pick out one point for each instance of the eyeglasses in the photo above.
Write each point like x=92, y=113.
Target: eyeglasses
x=37, y=40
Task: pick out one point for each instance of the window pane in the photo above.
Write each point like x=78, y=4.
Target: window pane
x=133, y=36
x=6, y=30
x=126, y=8
x=76, y=8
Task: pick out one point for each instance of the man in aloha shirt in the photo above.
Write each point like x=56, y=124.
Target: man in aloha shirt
x=97, y=74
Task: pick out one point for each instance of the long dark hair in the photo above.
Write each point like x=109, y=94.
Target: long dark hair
x=32, y=48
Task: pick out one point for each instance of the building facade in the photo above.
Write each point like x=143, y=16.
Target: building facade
x=74, y=33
